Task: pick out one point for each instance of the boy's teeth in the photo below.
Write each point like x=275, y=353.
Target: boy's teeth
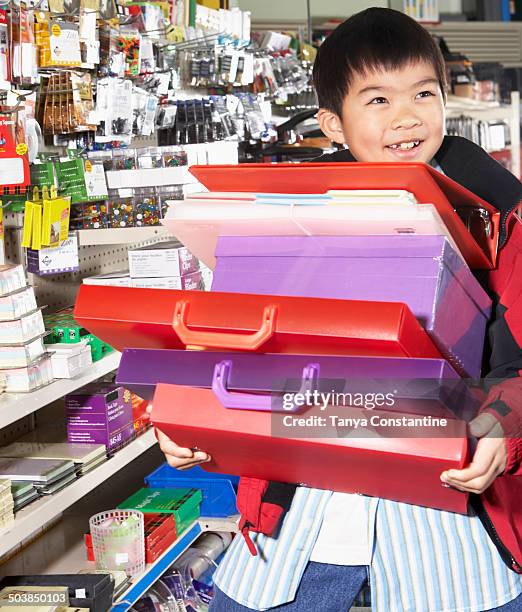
x=405, y=145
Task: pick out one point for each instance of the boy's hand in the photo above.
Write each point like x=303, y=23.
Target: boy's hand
x=177, y=456
x=489, y=460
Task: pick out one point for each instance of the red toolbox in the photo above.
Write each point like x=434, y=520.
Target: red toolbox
x=166, y=318
x=473, y=222
x=404, y=468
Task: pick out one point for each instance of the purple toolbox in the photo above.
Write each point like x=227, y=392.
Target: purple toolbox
x=422, y=271
x=258, y=381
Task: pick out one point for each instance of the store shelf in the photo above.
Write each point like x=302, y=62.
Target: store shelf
x=14, y=406
x=486, y=111
x=37, y=515
x=492, y=111
x=124, y=235
x=149, y=177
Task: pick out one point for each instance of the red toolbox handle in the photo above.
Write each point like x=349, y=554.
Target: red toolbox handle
x=248, y=342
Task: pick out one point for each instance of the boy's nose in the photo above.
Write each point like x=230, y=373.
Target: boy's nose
x=405, y=120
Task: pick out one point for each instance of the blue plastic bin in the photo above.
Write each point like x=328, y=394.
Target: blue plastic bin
x=219, y=495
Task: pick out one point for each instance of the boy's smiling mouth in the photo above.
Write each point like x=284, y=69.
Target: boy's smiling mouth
x=405, y=145
x=405, y=150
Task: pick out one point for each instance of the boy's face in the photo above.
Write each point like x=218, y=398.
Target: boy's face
x=390, y=115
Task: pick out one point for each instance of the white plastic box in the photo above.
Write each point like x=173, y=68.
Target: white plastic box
x=69, y=360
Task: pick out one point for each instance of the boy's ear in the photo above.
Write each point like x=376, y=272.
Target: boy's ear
x=331, y=125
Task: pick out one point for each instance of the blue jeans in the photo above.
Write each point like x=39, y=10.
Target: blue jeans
x=327, y=588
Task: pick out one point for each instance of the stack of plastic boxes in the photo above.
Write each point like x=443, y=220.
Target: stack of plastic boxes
x=367, y=275
x=24, y=364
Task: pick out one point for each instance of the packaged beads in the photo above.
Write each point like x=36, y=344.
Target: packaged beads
x=174, y=157
x=121, y=211
x=124, y=159
x=146, y=207
x=95, y=216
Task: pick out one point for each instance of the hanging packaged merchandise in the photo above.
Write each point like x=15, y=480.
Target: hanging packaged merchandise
x=65, y=44
x=23, y=48
x=42, y=173
x=46, y=220
x=36, y=233
x=83, y=103
x=139, y=103
x=130, y=43
x=49, y=114
x=5, y=67
x=81, y=180
x=14, y=166
x=27, y=232
x=254, y=119
x=89, y=42
x=147, y=60
x=58, y=41
x=264, y=77
x=63, y=107
x=55, y=221
x=112, y=58
x=119, y=114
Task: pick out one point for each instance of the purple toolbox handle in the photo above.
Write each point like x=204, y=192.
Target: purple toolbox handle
x=250, y=401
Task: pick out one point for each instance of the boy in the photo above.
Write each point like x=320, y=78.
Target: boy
x=380, y=81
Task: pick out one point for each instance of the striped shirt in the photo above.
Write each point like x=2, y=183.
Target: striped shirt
x=424, y=560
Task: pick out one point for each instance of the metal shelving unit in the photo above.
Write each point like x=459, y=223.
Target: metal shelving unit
x=61, y=549
x=37, y=515
x=491, y=111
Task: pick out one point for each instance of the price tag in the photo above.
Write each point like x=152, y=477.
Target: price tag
x=121, y=558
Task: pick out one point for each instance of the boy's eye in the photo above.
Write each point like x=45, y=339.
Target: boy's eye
x=379, y=100
x=425, y=94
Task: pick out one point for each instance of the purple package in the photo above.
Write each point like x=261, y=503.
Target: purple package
x=422, y=271
x=99, y=414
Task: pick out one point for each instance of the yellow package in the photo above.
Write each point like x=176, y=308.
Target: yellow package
x=57, y=228
x=37, y=227
x=27, y=234
x=46, y=223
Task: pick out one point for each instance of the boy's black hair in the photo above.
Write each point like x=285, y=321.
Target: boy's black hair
x=372, y=39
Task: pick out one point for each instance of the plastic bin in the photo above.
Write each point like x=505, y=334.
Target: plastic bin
x=219, y=496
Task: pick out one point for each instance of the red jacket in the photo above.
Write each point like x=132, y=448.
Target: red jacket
x=500, y=507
